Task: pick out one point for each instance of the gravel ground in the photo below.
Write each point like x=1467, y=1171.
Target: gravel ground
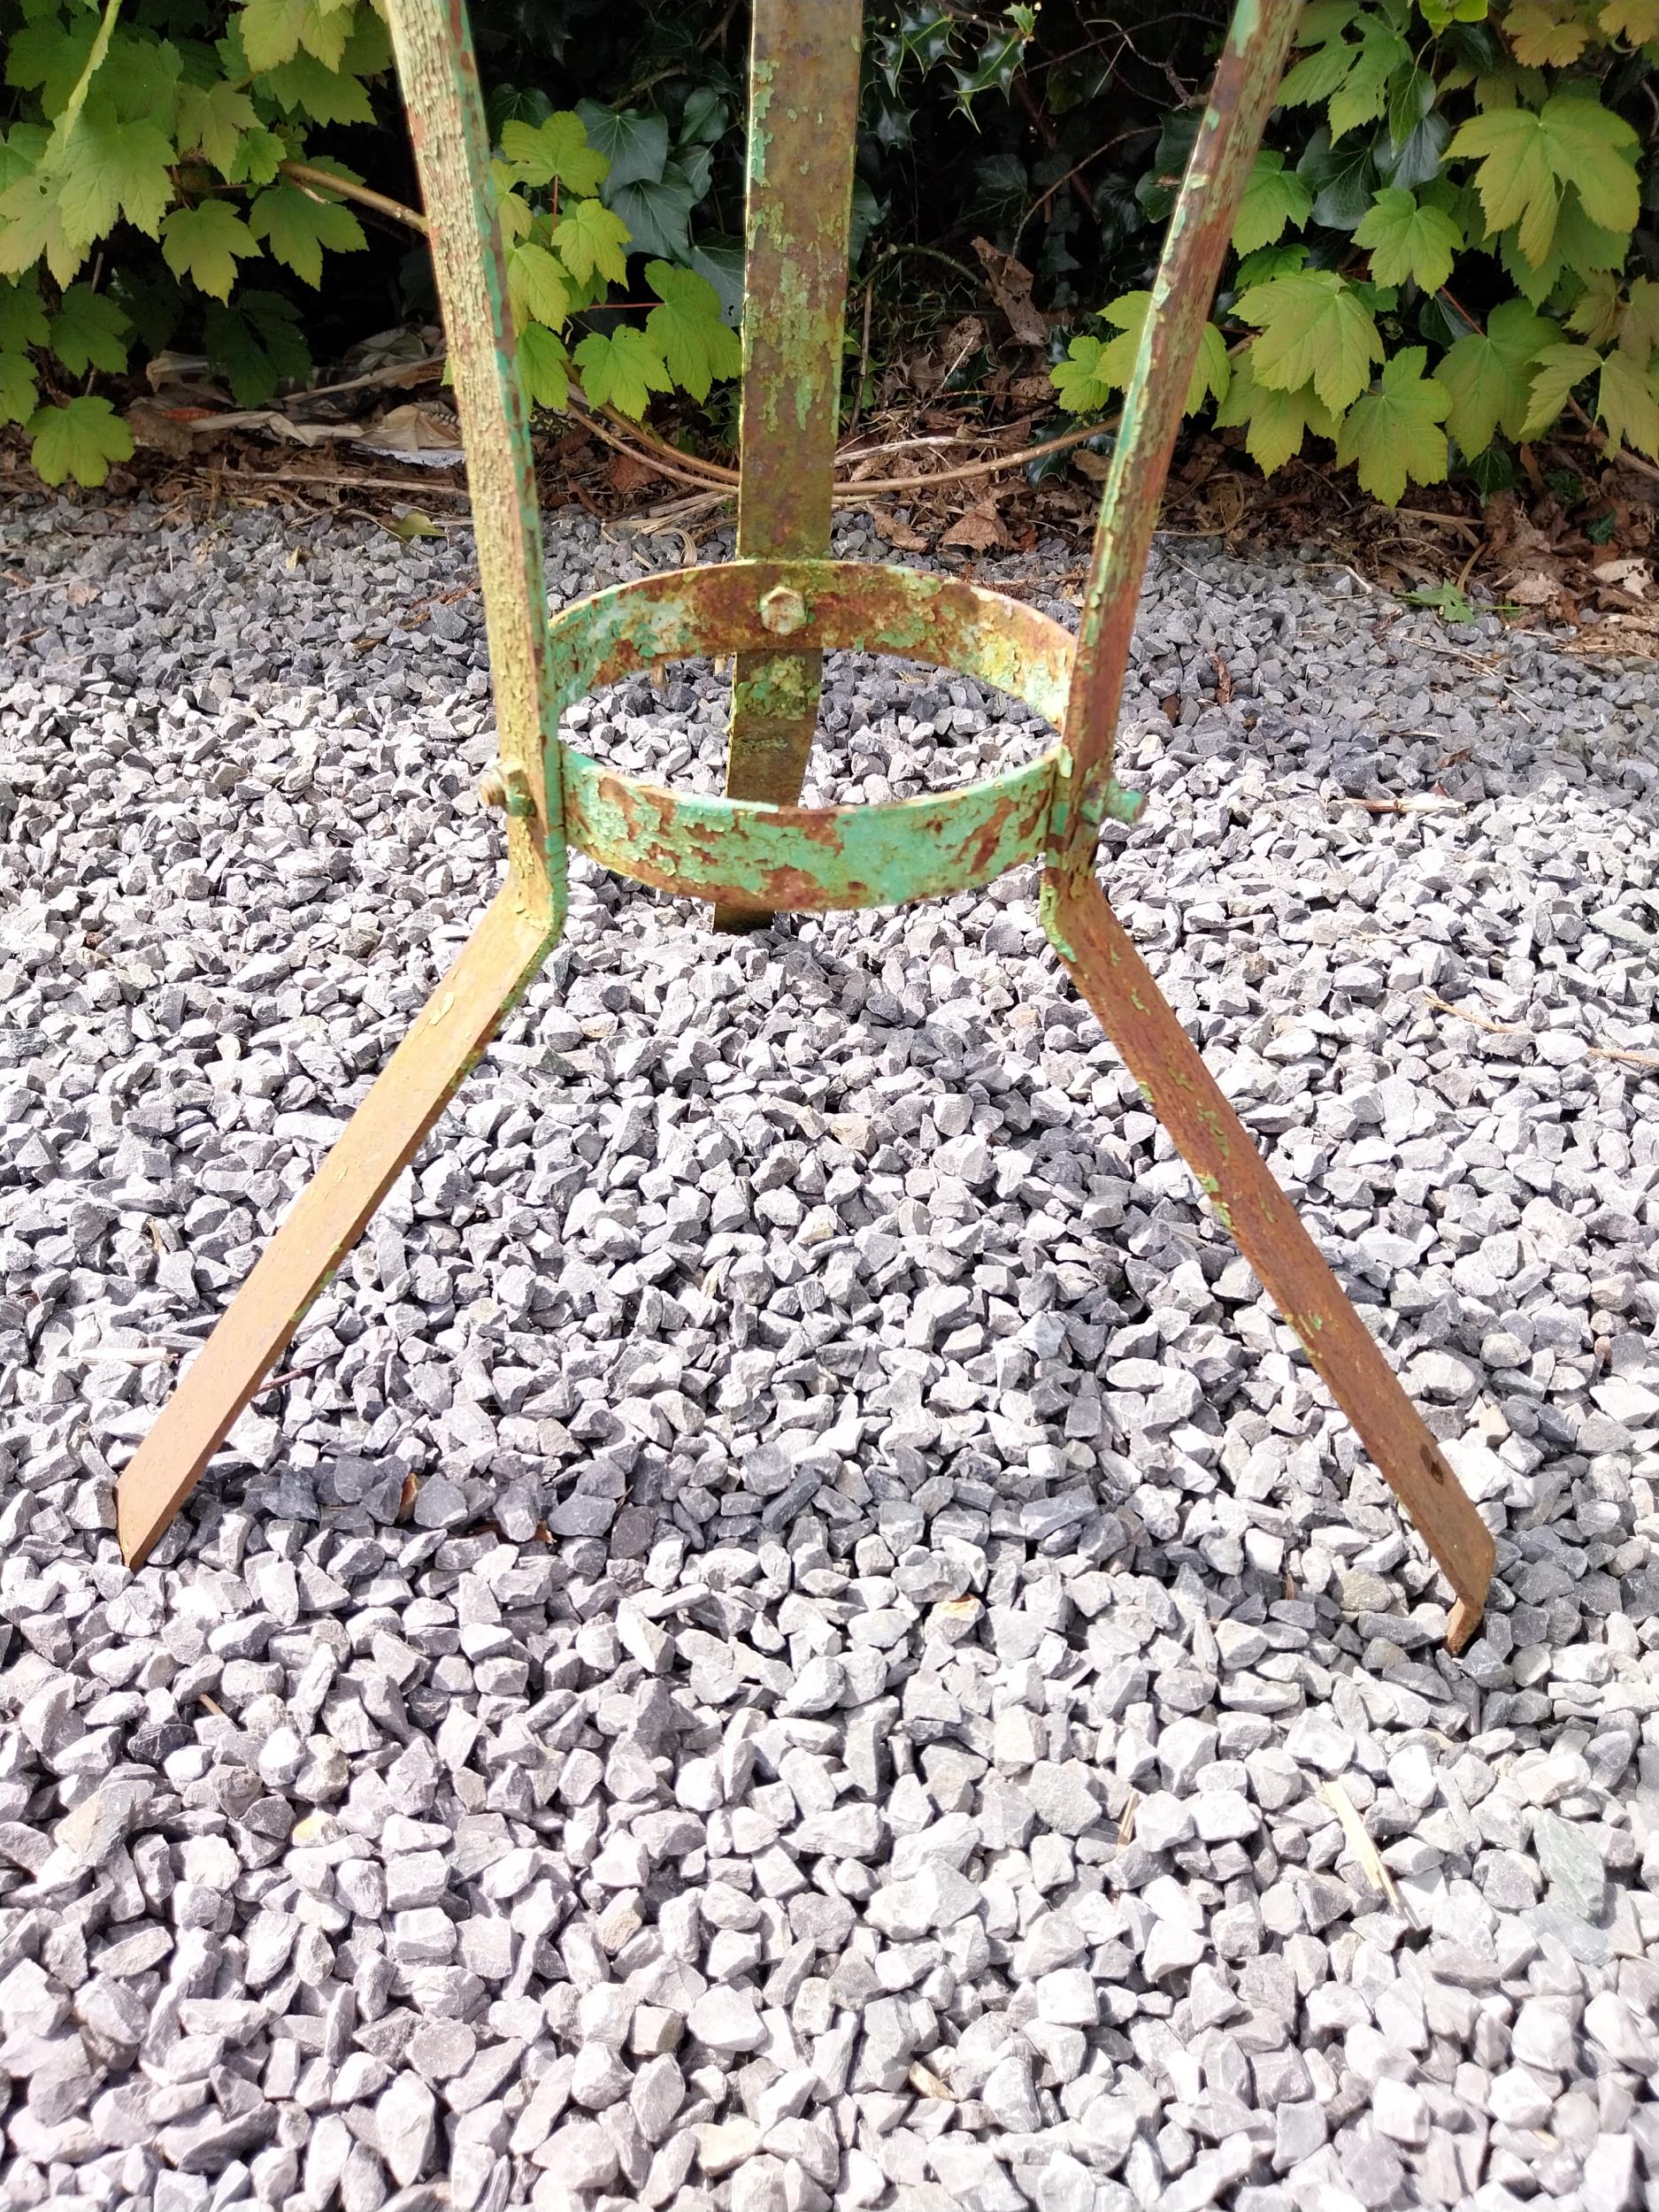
x=797, y=1633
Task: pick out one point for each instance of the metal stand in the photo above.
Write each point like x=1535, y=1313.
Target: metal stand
x=778, y=607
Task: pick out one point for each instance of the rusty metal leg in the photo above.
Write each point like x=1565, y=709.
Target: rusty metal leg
x=327, y=1218
x=1251, y=1206
x=803, y=118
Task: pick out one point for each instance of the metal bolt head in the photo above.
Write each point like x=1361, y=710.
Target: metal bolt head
x=492, y=789
x=783, y=610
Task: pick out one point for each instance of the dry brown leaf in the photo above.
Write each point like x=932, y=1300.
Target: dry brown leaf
x=1095, y=466
x=980, y=529
x=1535, y=589
x=1009, y=284
x=1633, y=577
x=414, y=428
x=628, y=474
x=899, y=533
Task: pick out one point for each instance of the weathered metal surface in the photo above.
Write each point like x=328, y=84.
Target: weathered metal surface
x=1261, y=1220
x=329, y=1216
x=803, y=128
x=1241, y=100
x=755, y=848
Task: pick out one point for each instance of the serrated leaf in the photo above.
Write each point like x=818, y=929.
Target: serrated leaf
x=1406, y=239
x=1626, y=405
x=593, y=238
x=1637, y=21
x=536, y=285
x=621, y=371
x=1273, y=197
x=1313, y=330
x=1394, y=434
x=1555, y=371
x=1081, y=385
x=1316, y=76
x=32, y=229
x=557, y=148
x=1268, y=261
x=96, y=54
x=204, y=243
x=1525, y=156
x=1363, y=93
x=688, y=330
x=112, y=169
x=90, y=332
x=1594, y=316
x=1274, y=422
x=296, y=226
x=80, y=438
x=304, y=86
x=544, y=367
x=257, y=343
x=1638, y=321
x=19, y=392
x=274, y=31
x=22, y=318
x=1489, y=376
x=258, y=157
x=1543, y=35
x=49, y=57
x=212, y=117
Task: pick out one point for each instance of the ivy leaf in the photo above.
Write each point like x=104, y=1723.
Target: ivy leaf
x=1395, y=432
x=80, y=440
x=536, y=285
x=212, y=119
x=1525, y=156
x=257, y=343
x=1408, y=240
x=17, y=390
x=257, y=159
x=204, y=243
x=1557, y=369
x=559, y=147
x=305, y=86
x=623, y=371
x=90, y=332
x=112, y=169
x=694, y=343
x=658, y=215
x=1489, y=376
x=1274, y=422
x=1637, y=21
x=544, y=365
x=296, y=226
x=1627, y=405
x=633, y=141
x=22, y=318
x=1274, y=196
x=1313, y=330
x=1544, y=36
x=592, y=237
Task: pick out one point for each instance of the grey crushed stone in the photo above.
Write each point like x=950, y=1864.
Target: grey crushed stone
x=843, y=1717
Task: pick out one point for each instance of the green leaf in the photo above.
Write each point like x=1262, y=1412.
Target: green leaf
x=544, y=367
x=212, y=119
x=1274, y=196
x=1407, y=240
x=112, y=169
x=1638, y=319
x=22, y=318
x=1489, y=377
x=1594, y=317
x=32, y=227
x=1557, y=371
x=1274, y=422
x=305, y=86
x=593, y=237
x=90, y=332
x=1268, y=261
x=622, y=370
x=536, y=285
x=412, y=524
x=658, y=215
x=1342, y=180
x=296, y=226
x=17, y=390
x=1083, y=386
x=1626, y=406
x=558, y=147
x=44, y=56
x=256, y=343
x=633, y=141
x=96, y=53
x=1363, y=92
x=1447, y=601
x=257, y=159
x=1394, y=434
x=80, y=440
x=204, y=243
x=688, y=331
x=1313, y=330
x=274, y=31
x=1525, y=158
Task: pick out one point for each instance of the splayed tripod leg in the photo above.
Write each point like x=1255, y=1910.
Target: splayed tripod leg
x=1119, y=986
x=329, y=1216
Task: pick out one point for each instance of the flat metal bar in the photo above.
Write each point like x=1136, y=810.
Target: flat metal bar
x=438, y=73
x=806, y=860
x=1256, y=1214
x=802, y=130
x=328, y=1217
x=1241, y=100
